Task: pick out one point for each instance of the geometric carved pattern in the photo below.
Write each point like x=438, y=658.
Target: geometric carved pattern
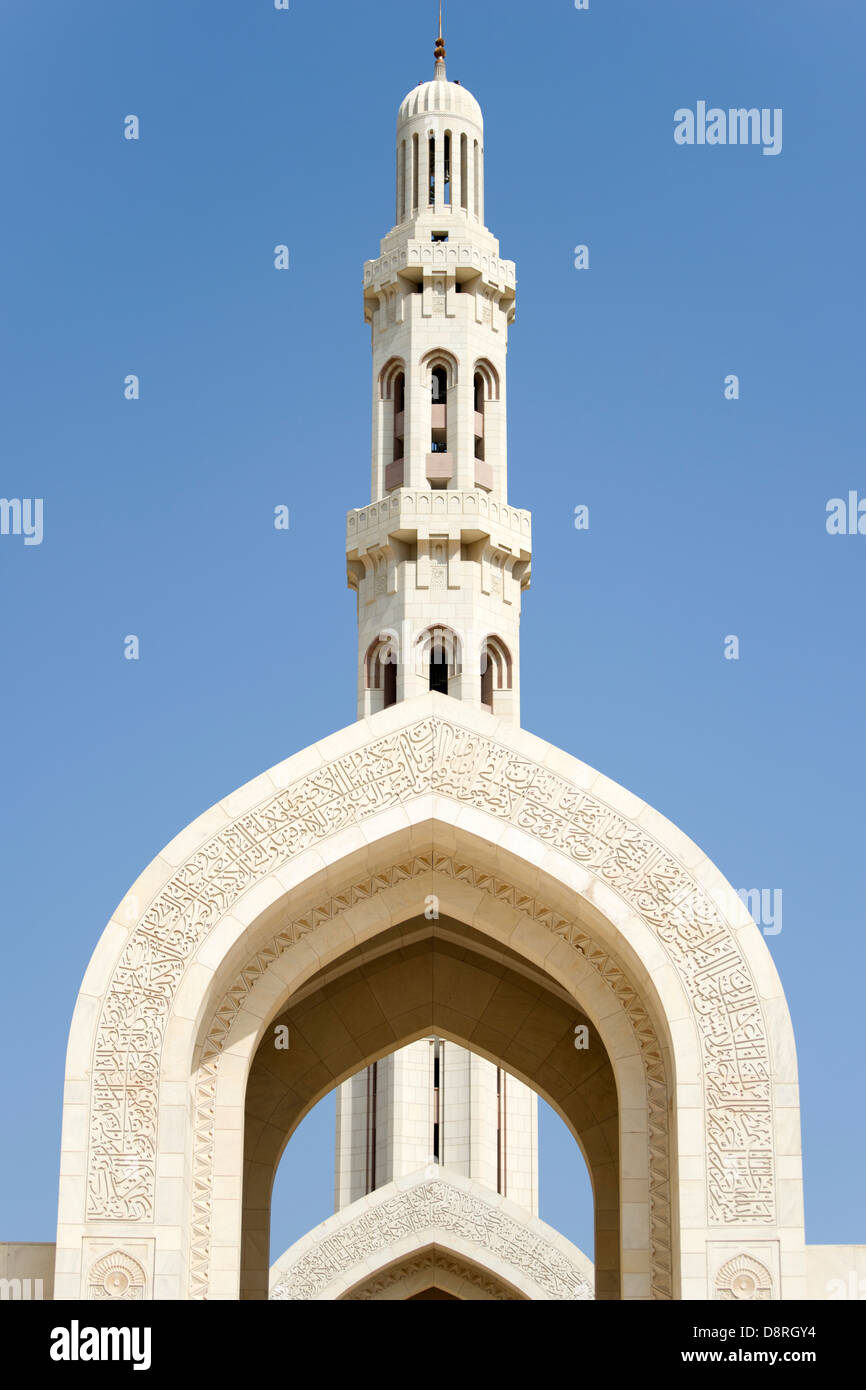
x=116, y=1276
x=423, y=865
x=439, y=756
x=744, y=1277
x=434, y=1206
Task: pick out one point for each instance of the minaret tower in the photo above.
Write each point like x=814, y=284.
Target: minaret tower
x=439, y=559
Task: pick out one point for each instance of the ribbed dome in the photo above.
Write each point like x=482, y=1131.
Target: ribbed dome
x=440, y=96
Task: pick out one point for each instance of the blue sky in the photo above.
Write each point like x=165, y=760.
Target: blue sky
x=707, y=516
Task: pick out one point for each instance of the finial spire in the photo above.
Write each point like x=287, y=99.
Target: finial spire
x=439, y=51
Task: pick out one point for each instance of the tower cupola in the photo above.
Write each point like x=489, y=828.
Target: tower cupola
x=440, y=150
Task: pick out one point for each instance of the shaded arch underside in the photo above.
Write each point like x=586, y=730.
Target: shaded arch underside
x=419, y=978
x=360, y=910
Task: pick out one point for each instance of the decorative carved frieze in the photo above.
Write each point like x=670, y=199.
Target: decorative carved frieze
x=433, y=1207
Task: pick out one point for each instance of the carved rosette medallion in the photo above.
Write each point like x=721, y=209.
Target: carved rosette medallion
x=744, y=1277
x=116, y=1276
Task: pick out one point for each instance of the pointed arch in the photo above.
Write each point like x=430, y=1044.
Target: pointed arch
x=439, y=357
x=550, y=859
x=380, y=667
x=393, y=368
x=496, y=669
x=489, y=377
x=439, y=656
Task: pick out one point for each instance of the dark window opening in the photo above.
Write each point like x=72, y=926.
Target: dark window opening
x=432, y=169
x=439, y=398
x=372, y=1105
x=487, y=683
x=436, y=1124
x=447, y=170
x=389, y=683
x=438, y=669
x=479, y=415
x=439, y=236
x=399, y=425
x=439, y=385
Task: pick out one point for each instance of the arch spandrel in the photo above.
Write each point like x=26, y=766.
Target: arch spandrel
x=646, y=886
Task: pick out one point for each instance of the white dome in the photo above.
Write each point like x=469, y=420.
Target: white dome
x=441, y=96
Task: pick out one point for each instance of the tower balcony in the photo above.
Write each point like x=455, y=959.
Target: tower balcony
x=464, y=257
x=411, y=514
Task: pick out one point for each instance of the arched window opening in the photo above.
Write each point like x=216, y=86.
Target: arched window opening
x=438, y=669
x=439, y=411
x=392, y=394
x=496, y=670
x=381, y=669
x=439, y=385
x=464, y=173
x=442, y=369
x=475, y=180
x=415, y=153
x=479, y=415
x=399, y=415
x=439, y=658
x=447, y=170
x=432, y=169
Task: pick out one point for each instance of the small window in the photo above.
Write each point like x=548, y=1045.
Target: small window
x=389, y=683
x=438, y=669
x=439, y=385
x=439, y=236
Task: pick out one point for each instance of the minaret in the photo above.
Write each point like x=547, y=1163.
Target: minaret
x=436, y=1102
x=439, y=559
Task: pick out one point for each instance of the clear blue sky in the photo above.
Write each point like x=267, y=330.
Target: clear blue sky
x=706, y=516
